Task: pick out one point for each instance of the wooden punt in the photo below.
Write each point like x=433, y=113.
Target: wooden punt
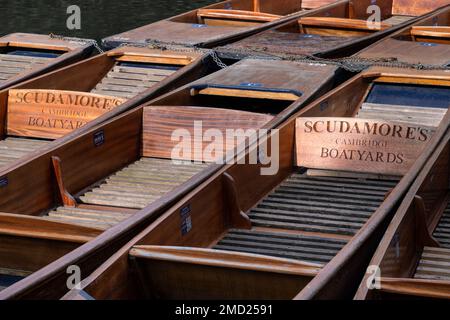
x=25, y=55
x=414, y=254
x=426, y=42
x=48, y=107
x=218, y=23
x=339, y=31
x=244, y=235
x=122, y=168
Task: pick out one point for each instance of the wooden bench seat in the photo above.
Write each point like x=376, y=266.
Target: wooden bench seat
x=14, y=148
x=12, y=65
x=442, y=231
x=434, y=264
x=430, y=117
x=141, y=183
x=340, y=23
x=433, y=32
x=332, y=205
x=312, y=249
x=127, y=81
x=236, y=15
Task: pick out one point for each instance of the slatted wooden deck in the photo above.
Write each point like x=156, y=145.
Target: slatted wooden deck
x=128, y=81
x=141, y=183
x=14, y=148
x=101, y=219
x=442, y=231
x=313, y=249
x=430, y=117
x=395, y=20
x=434, y=264
x=13, y=65
x=321, y=204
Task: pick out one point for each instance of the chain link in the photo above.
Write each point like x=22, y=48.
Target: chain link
x=79, y=40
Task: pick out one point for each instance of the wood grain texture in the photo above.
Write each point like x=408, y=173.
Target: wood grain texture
x=160, y=123
x=51, y=114
x=184, y=29
x=370, y=146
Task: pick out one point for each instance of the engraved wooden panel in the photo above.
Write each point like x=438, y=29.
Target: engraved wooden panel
x=160, y=123
x=359, y=145
x=52, y=113
x=416, y=7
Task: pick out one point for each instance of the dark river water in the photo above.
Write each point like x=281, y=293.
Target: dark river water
x=99, y=18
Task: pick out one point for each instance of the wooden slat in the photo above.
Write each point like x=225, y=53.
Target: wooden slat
x=343, y=23
x=237, y=15
x=14, y=148
x=141, y=183
x=316, y=204
x=434, y=264
x=283, y=245
x=430, y=117
x=434, y=32
x=235, y=260
x=12, y=65
x=395, y=20
x=442, y=231
x=128, y=82
x=102, y=219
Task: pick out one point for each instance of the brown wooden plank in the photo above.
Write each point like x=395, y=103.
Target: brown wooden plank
x=159, y=124
x=53, y=113
x=372, y=146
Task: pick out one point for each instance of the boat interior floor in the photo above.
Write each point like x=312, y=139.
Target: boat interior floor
x=127, y=80
x=434, y=264
x=12, y=65
x=442, y=231
x=126, y=191
x=398, y=19
x=13, y=148
x=288, y=42
x=423, y=116
x=308, y=218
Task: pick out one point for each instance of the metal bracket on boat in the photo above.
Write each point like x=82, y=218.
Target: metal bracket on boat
x=67, y=199
x=237, y=217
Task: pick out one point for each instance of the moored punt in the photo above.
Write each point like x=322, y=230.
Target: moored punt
x=426, y=42
x=413, y=259
x=123, y=169
x=218, y=23
x=339, y=31
x=25, y=55
x=246, y=235
x=48, y=107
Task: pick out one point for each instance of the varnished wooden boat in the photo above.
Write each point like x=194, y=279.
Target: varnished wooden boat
x=217, y=24
x=118, y=176
x=253, y=236
x=426, y=42
x=24, y=56
x=341, y=30
x=48, y=107
x=413, y=257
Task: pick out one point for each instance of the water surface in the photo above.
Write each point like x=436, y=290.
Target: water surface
x=99, y=18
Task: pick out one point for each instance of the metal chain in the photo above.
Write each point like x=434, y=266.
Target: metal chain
x=79, y=40
x=353, y=64
x=217, y=60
